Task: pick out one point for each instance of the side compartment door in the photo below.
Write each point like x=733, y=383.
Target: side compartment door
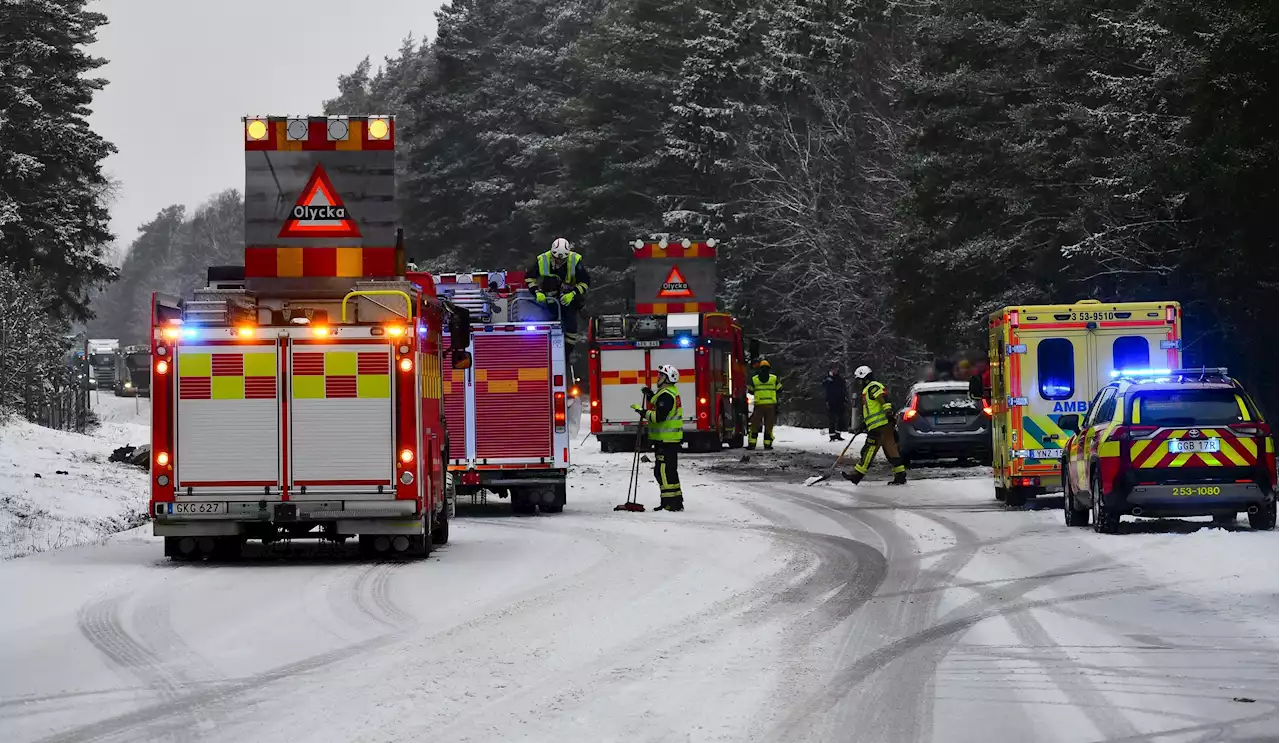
x=341, y=423
x=512, y=396
x=458, y=391
x=1055, y=380
x=687, y=388
x=622, y=374
x=228, y=418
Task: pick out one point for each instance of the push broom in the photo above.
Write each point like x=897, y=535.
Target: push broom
x=819, y=478
x=633, y=485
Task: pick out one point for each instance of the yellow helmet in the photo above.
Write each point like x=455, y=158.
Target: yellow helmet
x=764, y=364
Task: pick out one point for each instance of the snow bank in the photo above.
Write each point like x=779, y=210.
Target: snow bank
x=57, y=488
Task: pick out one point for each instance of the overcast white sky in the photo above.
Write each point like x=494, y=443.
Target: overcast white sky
x=183, y=72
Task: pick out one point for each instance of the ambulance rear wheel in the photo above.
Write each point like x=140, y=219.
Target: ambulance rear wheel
x=1016, y=497
x=1001, y=493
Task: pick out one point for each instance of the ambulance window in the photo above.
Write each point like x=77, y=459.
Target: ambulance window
x=1056, y=368
x=1130, y=352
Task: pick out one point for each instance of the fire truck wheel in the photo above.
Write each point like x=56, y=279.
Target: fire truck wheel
x=228, y=548
x=440, y=532
x=556, y=504
x=521, y=502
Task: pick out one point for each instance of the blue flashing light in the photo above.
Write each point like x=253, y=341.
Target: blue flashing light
x=685, y=341
x=188, y=332
x=531, y=327
x=1141, y=373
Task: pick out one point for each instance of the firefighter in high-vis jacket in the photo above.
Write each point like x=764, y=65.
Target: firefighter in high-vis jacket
x=565, y=265
x=763, y=386
x=664, y=418
x=876, y=413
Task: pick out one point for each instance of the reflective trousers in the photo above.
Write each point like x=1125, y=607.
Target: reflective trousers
x=762, y=416
x=665, y=458
x=880, y=438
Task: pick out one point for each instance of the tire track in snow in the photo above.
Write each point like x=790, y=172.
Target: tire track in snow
x=899, y=706
x=822, y=580
x=157, y=719
x=101, y=623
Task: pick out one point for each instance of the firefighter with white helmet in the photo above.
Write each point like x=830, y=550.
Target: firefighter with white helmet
x=558, y=276
x=876, y=419
x=664, y=418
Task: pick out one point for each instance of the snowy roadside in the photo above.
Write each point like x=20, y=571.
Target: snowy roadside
x=57, y=488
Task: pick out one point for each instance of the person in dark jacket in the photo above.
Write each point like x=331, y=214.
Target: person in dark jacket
x=836, y=393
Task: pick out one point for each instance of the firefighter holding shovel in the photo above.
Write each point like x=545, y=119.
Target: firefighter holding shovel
x=877, y=421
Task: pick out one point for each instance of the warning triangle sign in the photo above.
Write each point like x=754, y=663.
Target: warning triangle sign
x=319, y=211
x=675, y=285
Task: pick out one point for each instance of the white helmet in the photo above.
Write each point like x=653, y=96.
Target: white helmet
x=560, y=248
x=671, y=373
x=862, y=372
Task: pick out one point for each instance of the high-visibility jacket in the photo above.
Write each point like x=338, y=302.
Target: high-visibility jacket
x=573, y=275
x=876, y=409
x=666, y=416
x=765, y=390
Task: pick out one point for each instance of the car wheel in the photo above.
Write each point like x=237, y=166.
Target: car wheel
x=1264, y=519
x=1105, y=520
x=1072, y=515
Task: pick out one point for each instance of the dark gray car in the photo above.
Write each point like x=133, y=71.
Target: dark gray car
x=940, y=421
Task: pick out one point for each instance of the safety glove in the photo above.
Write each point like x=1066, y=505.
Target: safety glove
x=567, y=298
x=542, y=298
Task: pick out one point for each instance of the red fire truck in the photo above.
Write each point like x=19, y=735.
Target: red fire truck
x=675, y=323
x=512, y=414
x=300, y=396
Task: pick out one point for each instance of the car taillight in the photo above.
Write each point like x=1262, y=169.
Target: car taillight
x=1134, y=433
x=1245, y=429
x=911, y=411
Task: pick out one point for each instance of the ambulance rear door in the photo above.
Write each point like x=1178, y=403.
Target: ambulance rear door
x=1052, y=376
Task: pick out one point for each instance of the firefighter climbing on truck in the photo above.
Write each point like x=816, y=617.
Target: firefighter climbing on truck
x=664, y=417
x=559, y=276
x=876, y=418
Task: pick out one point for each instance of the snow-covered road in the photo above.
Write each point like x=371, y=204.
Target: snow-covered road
x=766, y=611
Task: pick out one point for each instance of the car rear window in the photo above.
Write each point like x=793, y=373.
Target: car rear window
x=1188, y=408
x=945, y=402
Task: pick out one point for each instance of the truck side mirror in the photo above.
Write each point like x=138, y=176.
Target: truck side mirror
x=461, y=359
x=976, y=392
x=1070, y=422
x=459, y=331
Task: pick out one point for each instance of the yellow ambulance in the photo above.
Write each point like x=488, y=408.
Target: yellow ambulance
x=1051, y=360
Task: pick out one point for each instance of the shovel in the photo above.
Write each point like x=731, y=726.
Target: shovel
x=819, y=478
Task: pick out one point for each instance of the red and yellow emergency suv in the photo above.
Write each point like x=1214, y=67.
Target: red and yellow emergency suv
x=511, y=414
x=1051, y=360
x=675, y=323
x=300, y=396
x=1161, y=442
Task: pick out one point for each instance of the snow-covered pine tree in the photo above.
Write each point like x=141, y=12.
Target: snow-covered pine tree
x=53, y=212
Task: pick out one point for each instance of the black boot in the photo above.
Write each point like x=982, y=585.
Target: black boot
x=899, y=478
x=768, y=447
x=854, y=477
x=751, y=445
